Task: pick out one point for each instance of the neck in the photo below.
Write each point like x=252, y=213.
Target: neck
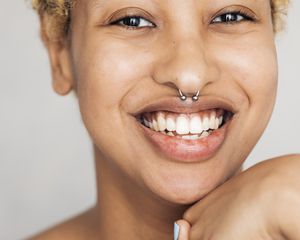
x=124, y=210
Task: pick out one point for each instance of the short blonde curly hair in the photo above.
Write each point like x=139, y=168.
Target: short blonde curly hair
x=58, y=15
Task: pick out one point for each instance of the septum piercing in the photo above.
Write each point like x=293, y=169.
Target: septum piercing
x=183, y=97
x=196, y=96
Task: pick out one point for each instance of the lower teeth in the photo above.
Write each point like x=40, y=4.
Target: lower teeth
x=189, y=137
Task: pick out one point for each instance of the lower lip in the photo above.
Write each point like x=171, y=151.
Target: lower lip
x=182, y=150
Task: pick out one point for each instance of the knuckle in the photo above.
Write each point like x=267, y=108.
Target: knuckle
x=188, y=216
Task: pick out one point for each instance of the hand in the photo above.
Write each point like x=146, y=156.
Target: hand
x=248, y=206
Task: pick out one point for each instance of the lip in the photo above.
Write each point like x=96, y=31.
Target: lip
x=184, y=150
x=188, y=151
x=175, y=105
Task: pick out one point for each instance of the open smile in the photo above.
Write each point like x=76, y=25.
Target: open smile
x=186, y=135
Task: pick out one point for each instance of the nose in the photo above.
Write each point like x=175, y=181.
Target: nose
x=186, y=65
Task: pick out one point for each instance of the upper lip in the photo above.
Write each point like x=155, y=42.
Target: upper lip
x=174, y=104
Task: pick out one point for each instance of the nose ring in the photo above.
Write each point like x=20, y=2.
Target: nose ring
x=183, y=97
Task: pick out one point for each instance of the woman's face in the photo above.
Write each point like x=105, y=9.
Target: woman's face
x=129, y=59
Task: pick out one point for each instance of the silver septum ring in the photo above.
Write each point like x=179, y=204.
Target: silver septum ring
x=183, y=97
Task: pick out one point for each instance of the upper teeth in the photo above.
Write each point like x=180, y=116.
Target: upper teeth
x=183, y=124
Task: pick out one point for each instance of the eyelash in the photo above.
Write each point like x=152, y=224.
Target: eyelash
x=131, y=18
x=239, y=16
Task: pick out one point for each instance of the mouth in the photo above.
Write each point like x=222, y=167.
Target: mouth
x=186, y=134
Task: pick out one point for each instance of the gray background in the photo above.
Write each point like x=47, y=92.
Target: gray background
x=46, y=165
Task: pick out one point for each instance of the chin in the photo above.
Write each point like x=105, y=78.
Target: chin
x=184, y=195
x=183, y=189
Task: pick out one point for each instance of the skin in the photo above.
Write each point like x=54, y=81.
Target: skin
x=115, y=71
x=261, y=204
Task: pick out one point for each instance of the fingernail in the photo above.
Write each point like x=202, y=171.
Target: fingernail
x=176, y=231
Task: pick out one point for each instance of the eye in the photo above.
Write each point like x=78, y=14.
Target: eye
x=231, y=18
x=133, y=22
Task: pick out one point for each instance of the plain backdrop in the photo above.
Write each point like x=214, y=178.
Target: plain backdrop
x=46, y=160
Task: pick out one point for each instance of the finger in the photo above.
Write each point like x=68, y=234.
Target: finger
x=181, y=230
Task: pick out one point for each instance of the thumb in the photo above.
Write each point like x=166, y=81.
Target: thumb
x=181, y=230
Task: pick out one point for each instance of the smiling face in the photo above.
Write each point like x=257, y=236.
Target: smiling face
x=128, y=60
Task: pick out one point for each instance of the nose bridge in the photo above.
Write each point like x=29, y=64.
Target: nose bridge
x=189, y=65
x=184, y=63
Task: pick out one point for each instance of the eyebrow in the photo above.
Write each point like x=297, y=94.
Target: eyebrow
x=98, y=4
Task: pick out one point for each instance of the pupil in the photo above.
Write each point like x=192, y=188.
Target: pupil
x=229, y=18
x=133, y=21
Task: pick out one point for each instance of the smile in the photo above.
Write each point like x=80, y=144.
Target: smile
x=186, y=126
x=186, y=136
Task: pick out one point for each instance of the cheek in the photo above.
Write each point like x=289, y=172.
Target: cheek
x=257, y=74
x=252, y=66
x=106, y=73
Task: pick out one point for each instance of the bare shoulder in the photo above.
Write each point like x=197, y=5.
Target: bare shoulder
x=288, y=165
x=277, y=172
x=77, y=228
x=292, y=157
x=284, y=167
x=284, y=161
